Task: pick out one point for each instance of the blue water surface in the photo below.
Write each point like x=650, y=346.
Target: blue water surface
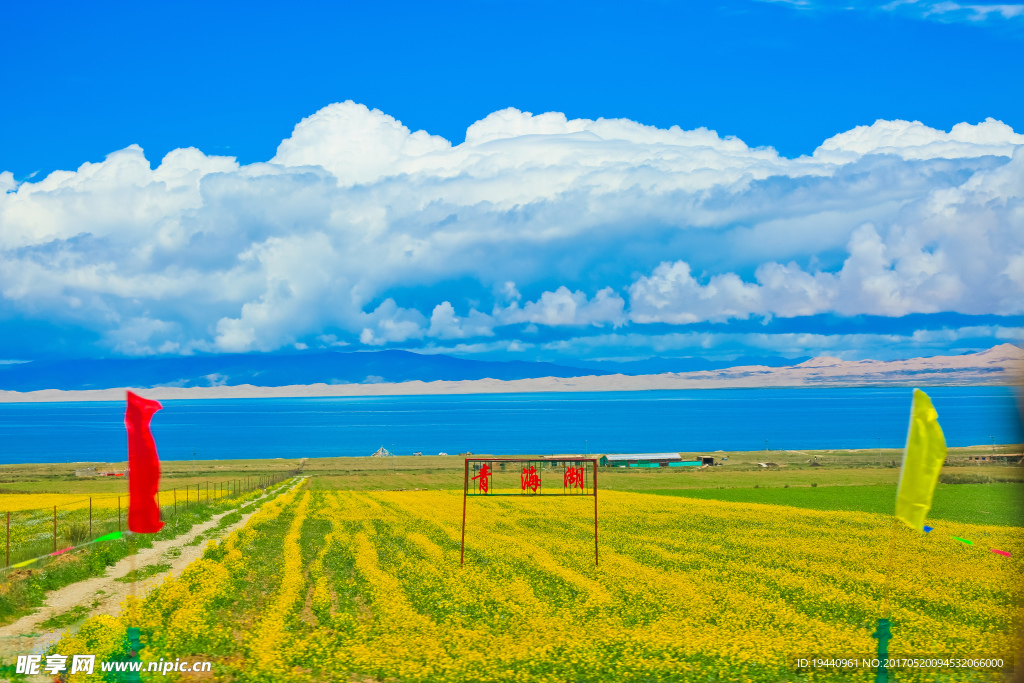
x=508, y=424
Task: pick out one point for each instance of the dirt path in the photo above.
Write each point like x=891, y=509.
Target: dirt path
x=104, y=594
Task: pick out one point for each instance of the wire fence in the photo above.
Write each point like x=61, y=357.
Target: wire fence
x=61, y=521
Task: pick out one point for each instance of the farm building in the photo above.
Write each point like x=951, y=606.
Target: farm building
x=635, y=460
x=995, y=458
x=652, y=460
x=560, y=460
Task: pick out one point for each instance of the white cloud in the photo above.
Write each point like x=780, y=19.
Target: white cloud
x=562, y=307
x=672, y=295
x=355, y=143
x=972, y=12
x=446, y=325
x=391, y=323
x=945, y=11
x=914, y=140
x=603, y=222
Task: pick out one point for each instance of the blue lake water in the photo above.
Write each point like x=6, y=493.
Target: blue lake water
x=509, y=424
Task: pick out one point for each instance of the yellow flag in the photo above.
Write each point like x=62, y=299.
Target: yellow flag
x=922, y=460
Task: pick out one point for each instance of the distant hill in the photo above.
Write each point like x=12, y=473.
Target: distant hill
x=998, y=366
x=658, y=365
x=359, y=367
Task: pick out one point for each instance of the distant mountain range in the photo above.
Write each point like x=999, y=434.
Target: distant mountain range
x=360, y=367
x=999, y=366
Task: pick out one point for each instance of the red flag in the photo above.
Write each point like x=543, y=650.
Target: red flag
x=143, y=466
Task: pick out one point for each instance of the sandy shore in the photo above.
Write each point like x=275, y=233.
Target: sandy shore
x=1000, y=365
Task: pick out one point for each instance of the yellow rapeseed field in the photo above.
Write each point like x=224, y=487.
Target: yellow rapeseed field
x=19, y=502
x=329, y=585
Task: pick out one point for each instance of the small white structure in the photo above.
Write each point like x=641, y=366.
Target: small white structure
x=381, y=453
x=87, y=472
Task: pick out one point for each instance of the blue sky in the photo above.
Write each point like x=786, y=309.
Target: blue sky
x=843, y=179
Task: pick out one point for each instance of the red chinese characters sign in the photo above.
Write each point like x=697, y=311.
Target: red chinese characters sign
x=485, y=478
x=497, y=477
x=530, y=479
x=573, y=478
x=494, y=477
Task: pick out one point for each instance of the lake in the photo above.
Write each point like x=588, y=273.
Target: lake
x=508, y=424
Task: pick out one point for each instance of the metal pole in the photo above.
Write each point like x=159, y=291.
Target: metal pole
x=8, y=539
x=465, y=490
x=175, y=502
x=119, y=513
x=54, y=528
x=90, y=518
x=595, y=513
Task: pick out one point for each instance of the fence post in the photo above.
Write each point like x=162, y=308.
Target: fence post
x=54, y=528
x=8, y=539
x=119, y=513
x=90, y=518
x=175, y=502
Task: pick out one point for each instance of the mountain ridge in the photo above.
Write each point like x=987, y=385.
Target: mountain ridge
x=998, y=366
x=325, y=367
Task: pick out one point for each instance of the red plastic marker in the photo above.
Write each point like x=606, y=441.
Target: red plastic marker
x=1001, y=552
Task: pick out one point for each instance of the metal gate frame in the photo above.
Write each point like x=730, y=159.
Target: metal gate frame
x=524, y=493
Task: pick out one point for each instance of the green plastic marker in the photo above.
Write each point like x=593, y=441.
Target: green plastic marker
x=962, y=540
x=884, y=635
x=134, y=646
x=109, y=537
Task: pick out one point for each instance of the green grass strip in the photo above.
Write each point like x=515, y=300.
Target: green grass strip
x=999, y=504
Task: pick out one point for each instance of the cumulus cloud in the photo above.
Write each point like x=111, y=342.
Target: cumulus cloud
x=945, y=11
x=914, y=140
x=362, y=232
x=562, y=307
x=356, y=144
